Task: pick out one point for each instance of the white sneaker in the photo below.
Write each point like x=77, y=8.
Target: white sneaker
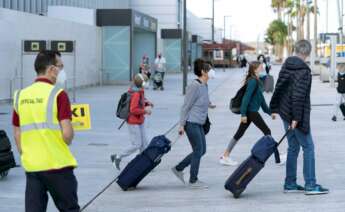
x=227, y=161
x=198, y=185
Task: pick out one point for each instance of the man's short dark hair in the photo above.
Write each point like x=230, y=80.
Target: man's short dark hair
x=199, y=66
x=45, y=59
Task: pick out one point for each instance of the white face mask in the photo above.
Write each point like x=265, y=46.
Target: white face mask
x=212, y=74
x=62, y=77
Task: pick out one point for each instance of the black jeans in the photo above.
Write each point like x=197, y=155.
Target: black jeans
x=62, y=186
x=197, y=140
x=256, y=118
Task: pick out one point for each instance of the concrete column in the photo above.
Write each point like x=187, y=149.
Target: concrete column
x=333, y=59
x=312, y=56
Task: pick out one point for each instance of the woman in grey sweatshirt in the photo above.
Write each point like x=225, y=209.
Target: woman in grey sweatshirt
x=193, y=116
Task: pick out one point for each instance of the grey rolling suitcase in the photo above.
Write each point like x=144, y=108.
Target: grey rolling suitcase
x=269, y=84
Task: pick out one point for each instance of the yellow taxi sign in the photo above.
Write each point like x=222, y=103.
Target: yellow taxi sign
x=81, y=119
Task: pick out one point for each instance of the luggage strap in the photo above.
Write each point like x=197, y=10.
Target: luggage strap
x=285, y=135
x=276, y=151
x=277, y=155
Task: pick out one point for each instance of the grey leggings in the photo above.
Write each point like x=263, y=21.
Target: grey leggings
x=137, y=136
x=254, y=117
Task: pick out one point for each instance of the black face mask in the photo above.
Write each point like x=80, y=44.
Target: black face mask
x=159, y=57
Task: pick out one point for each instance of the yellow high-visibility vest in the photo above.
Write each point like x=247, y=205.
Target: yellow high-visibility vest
x=43, y=147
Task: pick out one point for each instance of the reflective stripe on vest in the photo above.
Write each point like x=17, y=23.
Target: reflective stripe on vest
x=50, y=115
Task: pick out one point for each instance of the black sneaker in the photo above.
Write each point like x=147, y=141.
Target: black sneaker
x=316, y=190
x=293, y=189
x=115, y=161
x=334, y=118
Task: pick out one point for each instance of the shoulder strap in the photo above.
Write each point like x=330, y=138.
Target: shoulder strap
x=198, y=81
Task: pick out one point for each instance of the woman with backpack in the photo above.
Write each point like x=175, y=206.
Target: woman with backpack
x=138, y=108
x=193, y=117
x=252, y=101
x=340, y=103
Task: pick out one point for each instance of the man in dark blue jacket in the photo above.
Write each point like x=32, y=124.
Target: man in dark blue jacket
x=291, y=100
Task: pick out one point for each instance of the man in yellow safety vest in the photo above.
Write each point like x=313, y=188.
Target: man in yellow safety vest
x=43, y=130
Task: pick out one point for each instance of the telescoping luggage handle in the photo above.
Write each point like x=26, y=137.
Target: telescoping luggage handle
x=173, y=142
x=285, y=135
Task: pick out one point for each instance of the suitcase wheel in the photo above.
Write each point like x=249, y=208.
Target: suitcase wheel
x=3, y=174
x=129, y=189
x=132, y=188
x=238, y=193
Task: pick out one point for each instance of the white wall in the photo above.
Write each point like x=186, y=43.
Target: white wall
x=218, y=35
x=118, y=4
x=74, y=14
x=199, y=26
x=17, y=26
x=165, y=11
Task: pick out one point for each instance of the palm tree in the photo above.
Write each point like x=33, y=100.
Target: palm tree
x=315, y=25
x=291, y=14
x=299, y=10
x=279, y=5
x=276, y=35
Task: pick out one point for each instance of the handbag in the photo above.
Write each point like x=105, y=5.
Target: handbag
x=342, y=108
x=207, y=126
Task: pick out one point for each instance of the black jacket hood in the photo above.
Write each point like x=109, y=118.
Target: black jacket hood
x=295, y=63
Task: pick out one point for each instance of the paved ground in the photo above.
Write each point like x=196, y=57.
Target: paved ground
x=160, y=191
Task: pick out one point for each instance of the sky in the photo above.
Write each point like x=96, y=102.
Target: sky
x=250, y=18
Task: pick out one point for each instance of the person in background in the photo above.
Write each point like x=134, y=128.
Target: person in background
x=145, y=66
x=139, y=107
x=244, y=61
x=264, y=61
x=145, y=69
x=340, y=99
x=160, y=68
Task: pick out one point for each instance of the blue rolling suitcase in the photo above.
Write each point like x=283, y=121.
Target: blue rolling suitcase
x=249, y=168
x=144, y=163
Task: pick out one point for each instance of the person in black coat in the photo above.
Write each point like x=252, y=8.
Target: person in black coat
x=291, y=100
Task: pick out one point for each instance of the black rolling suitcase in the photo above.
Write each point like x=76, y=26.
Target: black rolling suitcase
x=143, y=163
x=249, y=168
x=6, y=155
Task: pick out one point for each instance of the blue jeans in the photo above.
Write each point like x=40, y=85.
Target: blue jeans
x=296, y=140
x=197, y=140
